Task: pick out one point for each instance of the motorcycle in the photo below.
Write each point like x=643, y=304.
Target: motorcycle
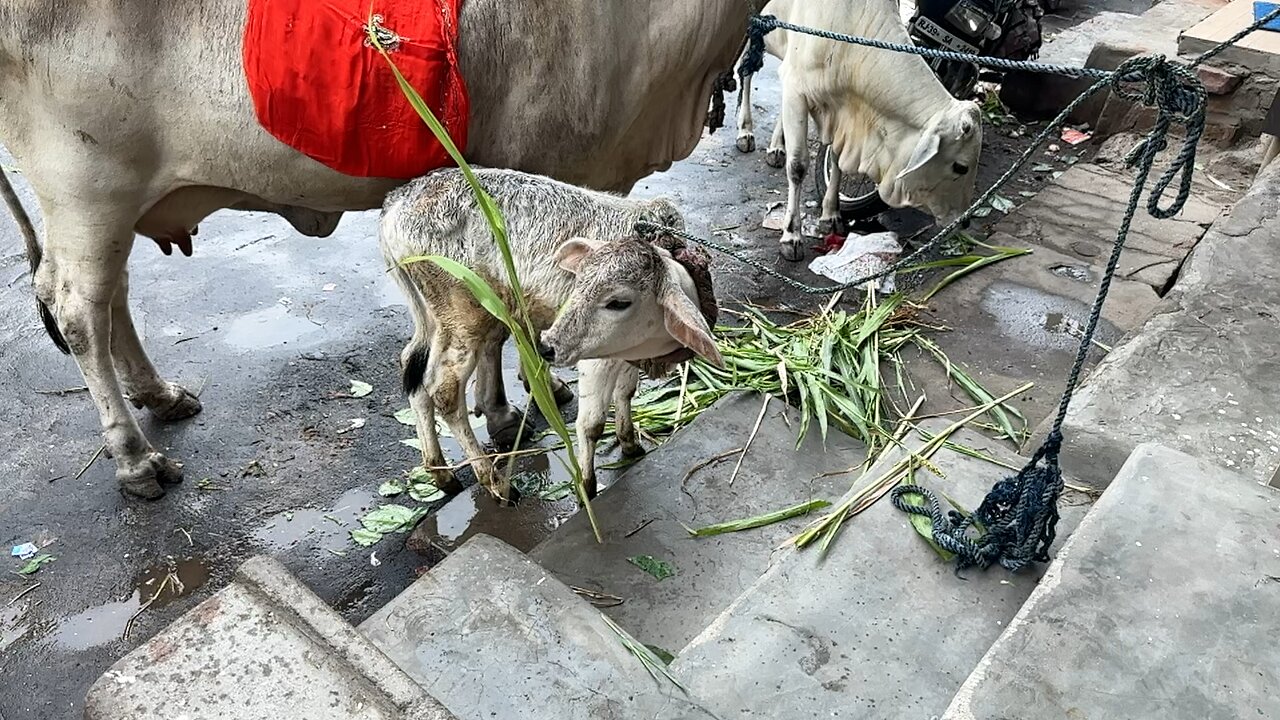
x=996, y=28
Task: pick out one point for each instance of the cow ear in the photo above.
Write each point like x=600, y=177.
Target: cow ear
x=570, y=253
x=685, y=323
x=926, y=149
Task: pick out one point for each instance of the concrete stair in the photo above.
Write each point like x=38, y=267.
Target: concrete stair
x=881, y=627
x=646, y=512
x=1165, y=603
x=490, y=634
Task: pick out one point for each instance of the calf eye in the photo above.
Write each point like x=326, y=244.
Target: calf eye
x=618, y=305
x=959, y=169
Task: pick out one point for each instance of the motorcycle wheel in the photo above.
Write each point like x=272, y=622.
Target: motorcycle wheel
x=860, y=208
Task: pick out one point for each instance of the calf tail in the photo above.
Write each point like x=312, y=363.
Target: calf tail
x=34, y=256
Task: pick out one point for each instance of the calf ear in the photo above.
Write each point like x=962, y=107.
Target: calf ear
x=685, y=323
x=926, y=149
x=570, y=254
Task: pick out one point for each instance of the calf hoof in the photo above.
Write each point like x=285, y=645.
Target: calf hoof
x=562, y=392
x=146, y=478
x=775, y=158
x=505, y=430
x=180, y=405
x=633, y=451
x=746, y=143
x=791, y=250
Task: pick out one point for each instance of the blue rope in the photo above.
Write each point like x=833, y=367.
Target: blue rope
x=1016, y=522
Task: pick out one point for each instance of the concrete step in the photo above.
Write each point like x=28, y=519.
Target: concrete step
x=263, y=648
x=1202, y=374
x=881, y=628
x=641, y=514
x=492, y=635
x=1163, y=604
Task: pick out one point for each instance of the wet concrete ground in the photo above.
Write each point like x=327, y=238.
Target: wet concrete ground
x=270, y=327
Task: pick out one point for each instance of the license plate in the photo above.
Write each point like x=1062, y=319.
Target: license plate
x=931, y=30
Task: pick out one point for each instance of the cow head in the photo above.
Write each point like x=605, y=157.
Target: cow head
x=630, y=301
x=938, y=172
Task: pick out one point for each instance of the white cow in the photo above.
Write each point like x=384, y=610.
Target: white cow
x=884, y=114
x=133, y=117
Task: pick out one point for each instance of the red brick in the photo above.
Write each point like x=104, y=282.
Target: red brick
x=1218, y=81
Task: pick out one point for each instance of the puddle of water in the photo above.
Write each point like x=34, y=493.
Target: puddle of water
x=1038, y=319
x=159, y=585
x=327, y=529
x=268, y=327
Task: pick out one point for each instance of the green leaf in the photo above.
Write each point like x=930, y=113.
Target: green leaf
x=365, y=537
x=660, y=569
x=406, y=416
x=666, y=657
x=392, y=518
x=34, y=564
x=390, y=488
x=360, y=389
x=412, y=442
x=426, y=492
x=760, y=520
x=1001, y=203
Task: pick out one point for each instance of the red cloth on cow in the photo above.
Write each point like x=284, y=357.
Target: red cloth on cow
x=320, y=88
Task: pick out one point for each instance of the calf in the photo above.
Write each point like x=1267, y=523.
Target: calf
x=884, y=114
x=606, y=299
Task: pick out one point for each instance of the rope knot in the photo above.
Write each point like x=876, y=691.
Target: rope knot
x=753, y=58
x=1178, y=96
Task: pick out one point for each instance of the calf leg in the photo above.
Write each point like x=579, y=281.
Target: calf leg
x=414, y=361
x=795, y=124
x=746, y=123
x=501, y=420
x=596, y=381
x=563, y=393
x=85, y=256
x=144, y=386
x=453, y=359
x=623, y=390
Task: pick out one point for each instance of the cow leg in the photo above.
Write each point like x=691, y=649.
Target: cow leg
x=453, y=359
x=795, y=134
x=776, y=155
x=596, y=380
x=82, y=272
x=746, y=123
x=501, y=420
x=624, y=389
x=143, y=385
x=830, y=220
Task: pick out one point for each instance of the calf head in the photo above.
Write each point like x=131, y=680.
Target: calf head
x=940, y=172
x=630, y=301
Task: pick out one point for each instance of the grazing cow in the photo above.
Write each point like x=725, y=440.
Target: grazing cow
x=605, y=297
x=884, y=114
x=135, y=117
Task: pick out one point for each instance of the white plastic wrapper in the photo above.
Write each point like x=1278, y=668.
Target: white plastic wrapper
x=860, y=256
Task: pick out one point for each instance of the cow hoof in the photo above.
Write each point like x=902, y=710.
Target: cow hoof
x=147, y=478
x=775, y=158
x=828, y=226
x=633, y=451
x=746, y=143
x=562, y=392
x=792, y=251
x=181, y=405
